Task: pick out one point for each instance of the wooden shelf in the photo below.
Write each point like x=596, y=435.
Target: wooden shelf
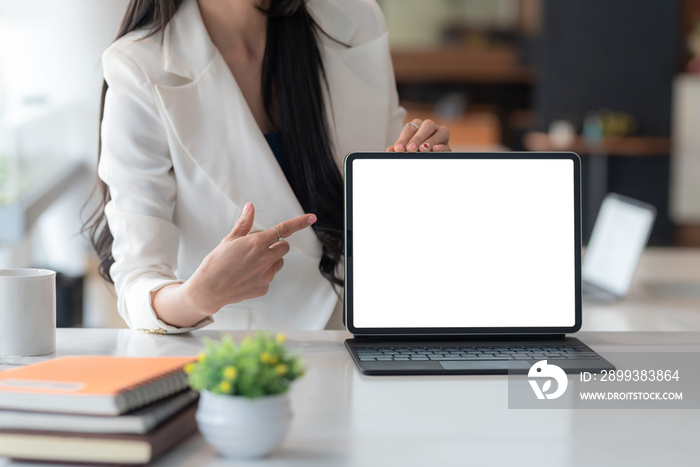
x=687, y=235
x=623, y=146
x=491, y=64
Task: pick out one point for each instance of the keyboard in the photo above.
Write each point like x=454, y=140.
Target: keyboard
x=386, y=356
x=481, y=352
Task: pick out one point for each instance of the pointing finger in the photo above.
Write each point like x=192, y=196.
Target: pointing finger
x=289, y=227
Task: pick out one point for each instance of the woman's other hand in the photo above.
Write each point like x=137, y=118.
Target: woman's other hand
x=239, y=268
x=422, y=136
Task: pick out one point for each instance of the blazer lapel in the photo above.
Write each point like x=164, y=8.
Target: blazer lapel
x=361, y=78
x=365, y=71
x=212, y=121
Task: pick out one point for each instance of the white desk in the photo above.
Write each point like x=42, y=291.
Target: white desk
x=345, y=419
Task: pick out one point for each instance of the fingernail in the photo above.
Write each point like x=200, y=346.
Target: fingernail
x=312, y=219
x=399, y=147
x=412, y=146
x=437, y=147
x=425, y=146
x=246, y=208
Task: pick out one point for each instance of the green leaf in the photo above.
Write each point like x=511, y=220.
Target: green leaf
x=254, y=377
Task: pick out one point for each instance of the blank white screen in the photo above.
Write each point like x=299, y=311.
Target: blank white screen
x=463, y=243
x=619, y=236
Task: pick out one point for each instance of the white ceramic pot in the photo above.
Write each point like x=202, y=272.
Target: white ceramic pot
x=244, y=428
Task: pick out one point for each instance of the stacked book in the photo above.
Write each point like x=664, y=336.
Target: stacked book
x=95, y=409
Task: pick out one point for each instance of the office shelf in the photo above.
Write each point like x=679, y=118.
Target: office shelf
x=491, y=64
x=623, y=146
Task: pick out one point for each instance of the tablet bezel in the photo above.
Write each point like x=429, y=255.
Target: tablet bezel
x=348, y=263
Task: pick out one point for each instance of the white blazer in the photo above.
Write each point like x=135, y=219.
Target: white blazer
x=182, y=154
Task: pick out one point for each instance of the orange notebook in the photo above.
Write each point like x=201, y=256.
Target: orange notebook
x=102, y=385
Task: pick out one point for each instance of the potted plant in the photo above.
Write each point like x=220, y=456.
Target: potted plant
x=244, y=408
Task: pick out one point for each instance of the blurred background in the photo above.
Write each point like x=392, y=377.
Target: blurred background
x=618, y=82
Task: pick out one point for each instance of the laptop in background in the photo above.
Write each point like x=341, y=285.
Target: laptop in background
x=619, y=236
x=464, y=263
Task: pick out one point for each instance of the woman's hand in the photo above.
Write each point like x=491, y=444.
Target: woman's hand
x=239, y=268
x=422, y=135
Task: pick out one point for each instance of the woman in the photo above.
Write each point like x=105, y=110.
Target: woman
x=227, y=113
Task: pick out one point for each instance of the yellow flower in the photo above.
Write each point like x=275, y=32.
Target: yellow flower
x=265, y=357
x=189, y=368
x=225, y=387
x=281, y=338
x=274, y=360
x=302, y=374
x=201, y=356
x=281, y=369
x=230, y=372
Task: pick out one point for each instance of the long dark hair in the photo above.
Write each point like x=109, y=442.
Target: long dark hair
x=292, y=88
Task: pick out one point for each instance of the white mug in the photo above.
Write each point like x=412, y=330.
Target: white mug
x=27, y=312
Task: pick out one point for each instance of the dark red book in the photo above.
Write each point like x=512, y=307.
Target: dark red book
x=97, y=448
